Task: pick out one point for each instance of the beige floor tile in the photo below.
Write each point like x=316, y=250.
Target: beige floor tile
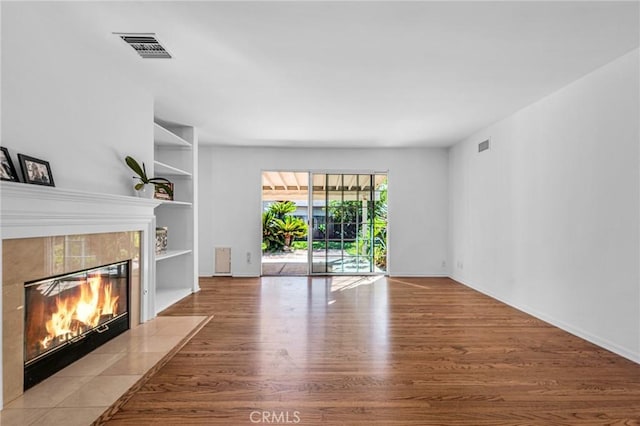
x=178, y=329
x=90, y=365
x=49, y=393
x=189, y=320
x=134, y=363
x=100, y=391
x=122, y=343
x=21, y=416
x=157, y=344
x=72, y=416
x=147, y=329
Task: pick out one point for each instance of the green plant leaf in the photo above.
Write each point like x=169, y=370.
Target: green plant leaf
x=159, y=179
x=135, y=166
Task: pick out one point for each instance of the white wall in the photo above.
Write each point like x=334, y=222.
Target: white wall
x=68, y=105
x=548, y=219
x=230, y=201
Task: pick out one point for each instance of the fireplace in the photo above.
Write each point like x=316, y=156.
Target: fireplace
x=68, y=316
x=76, y=231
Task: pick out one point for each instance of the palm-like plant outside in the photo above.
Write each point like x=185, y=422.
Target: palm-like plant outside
x=270, y=236
x=282, y=208
x=279, y=228
x=290, y=227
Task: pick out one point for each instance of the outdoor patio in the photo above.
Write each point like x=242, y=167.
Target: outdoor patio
x=296, y=263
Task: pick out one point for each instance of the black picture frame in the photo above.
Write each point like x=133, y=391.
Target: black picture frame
x=35, y=171
x=7, y=170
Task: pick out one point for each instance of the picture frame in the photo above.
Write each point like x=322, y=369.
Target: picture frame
x=7, y=170
x=36, y=171
x=161, y=194
x=161, y=240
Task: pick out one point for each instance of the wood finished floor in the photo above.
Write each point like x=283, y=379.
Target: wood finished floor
x=378, y=351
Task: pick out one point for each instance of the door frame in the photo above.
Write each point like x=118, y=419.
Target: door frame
x=310, y=172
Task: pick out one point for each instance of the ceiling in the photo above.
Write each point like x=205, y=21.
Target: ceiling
x=350, y=74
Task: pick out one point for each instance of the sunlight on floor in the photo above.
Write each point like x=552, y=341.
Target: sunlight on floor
x=350, y=282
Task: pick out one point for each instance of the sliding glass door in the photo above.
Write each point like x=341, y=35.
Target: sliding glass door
x=348, y=232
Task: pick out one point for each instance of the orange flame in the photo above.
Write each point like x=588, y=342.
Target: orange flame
x=75, y=315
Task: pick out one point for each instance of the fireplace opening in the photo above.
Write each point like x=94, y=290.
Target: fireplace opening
x=68, y=316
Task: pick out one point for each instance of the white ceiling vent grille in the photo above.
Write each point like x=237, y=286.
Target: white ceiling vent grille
x=147, y=45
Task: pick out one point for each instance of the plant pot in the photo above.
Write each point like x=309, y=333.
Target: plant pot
x=146, y=191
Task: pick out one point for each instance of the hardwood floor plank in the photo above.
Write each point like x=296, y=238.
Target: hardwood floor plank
x=378, y=351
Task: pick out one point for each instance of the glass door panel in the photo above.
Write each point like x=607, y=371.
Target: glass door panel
x=349, y=217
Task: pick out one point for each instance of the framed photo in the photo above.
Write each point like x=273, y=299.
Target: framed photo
x=7, y=171
x=35, y=171
x=161, y=240
x=161, y=194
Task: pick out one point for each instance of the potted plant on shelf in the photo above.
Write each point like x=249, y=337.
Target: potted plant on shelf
x=145, y=186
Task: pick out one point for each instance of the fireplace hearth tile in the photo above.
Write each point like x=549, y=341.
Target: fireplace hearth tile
x=90, y=365
x=172, y=320
x=134, y=364
x=119, y=344
x=72, y=416
x=100, y=391
x=22, y=417
x=67, y=399
x=157, y=344
x=176, y=328
x=49, y=393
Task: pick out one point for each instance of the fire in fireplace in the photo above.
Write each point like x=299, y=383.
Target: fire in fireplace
x=68, y=316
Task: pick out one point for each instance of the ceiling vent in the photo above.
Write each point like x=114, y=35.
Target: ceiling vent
x=483, y=146
x=147, y=45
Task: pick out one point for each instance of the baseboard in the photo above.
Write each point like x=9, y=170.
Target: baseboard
x=427, y=275
x=576, y=331
x=245, y=276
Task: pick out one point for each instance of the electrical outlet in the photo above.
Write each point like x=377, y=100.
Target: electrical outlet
x=248, y=257
x=444, y=264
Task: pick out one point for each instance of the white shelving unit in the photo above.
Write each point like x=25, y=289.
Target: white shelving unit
x=175, y=158
x=171, y=253
x=168, y=170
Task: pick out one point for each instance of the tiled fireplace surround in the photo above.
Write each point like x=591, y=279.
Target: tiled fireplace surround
x=48, y=231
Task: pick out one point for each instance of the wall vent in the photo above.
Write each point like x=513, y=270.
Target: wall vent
x=222, y=260
x=147, y=45
x=483, y=146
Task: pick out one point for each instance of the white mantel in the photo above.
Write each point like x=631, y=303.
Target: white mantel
x=29, y=211
x=38, y=211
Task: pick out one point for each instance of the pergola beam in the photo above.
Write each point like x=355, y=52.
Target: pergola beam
x=295, y=179
x=284, y=182
x=265, y=176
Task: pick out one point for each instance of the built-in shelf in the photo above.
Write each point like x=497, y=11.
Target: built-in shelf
x=166, y=297
x=164, y=137
x=175, y=203
x=165, y=169
x=171, y=253
x=175, y=156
